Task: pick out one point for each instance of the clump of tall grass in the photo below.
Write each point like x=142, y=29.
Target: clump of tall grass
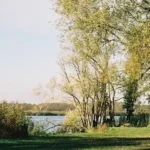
x=98, y=129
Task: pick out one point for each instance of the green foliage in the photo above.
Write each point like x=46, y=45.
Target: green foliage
x=38, y=130
x=13, y=122
x=138, y=120
x=72, y=122
x=130, y=97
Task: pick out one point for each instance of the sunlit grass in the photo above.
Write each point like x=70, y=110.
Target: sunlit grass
x=111, y=139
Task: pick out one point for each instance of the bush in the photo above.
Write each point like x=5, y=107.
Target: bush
x=13, y=122
x=138, y=120
x=38, y=130
x=72, y=122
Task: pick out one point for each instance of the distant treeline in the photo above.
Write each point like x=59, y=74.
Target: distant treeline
x=45, y=108
x=62, y=108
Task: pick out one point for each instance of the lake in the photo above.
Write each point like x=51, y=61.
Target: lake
x=48, y=122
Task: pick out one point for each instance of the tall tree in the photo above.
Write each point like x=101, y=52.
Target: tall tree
x=96, y=32
x=93, y=43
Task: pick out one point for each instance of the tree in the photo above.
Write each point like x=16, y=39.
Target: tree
x=91, y=80
x=96, y=32
x=137, y=65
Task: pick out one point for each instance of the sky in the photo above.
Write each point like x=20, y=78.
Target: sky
x=29, y=48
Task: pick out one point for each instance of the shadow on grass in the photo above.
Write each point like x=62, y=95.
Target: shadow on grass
x=68, y=143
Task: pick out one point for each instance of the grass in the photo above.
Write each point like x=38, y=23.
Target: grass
x=111, y=139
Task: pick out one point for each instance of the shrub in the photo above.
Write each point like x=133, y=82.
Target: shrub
x=72, y=122
x=138, y=120
x=13, y=122
x=38, y=130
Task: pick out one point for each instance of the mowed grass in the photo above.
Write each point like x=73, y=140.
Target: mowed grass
x=111, y=139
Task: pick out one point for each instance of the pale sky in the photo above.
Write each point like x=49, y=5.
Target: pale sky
x=29, y=47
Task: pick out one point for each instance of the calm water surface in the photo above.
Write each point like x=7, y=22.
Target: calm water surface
x=48, y=121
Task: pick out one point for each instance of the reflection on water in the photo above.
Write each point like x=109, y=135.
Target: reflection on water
x=48, y=122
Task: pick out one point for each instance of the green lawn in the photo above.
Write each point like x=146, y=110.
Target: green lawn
x=112, y=139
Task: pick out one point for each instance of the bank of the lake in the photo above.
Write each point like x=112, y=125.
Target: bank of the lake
x=122, y=138
x=45, y=113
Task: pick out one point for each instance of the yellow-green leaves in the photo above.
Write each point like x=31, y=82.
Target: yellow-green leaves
x=133, y=67
x=138, y=44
